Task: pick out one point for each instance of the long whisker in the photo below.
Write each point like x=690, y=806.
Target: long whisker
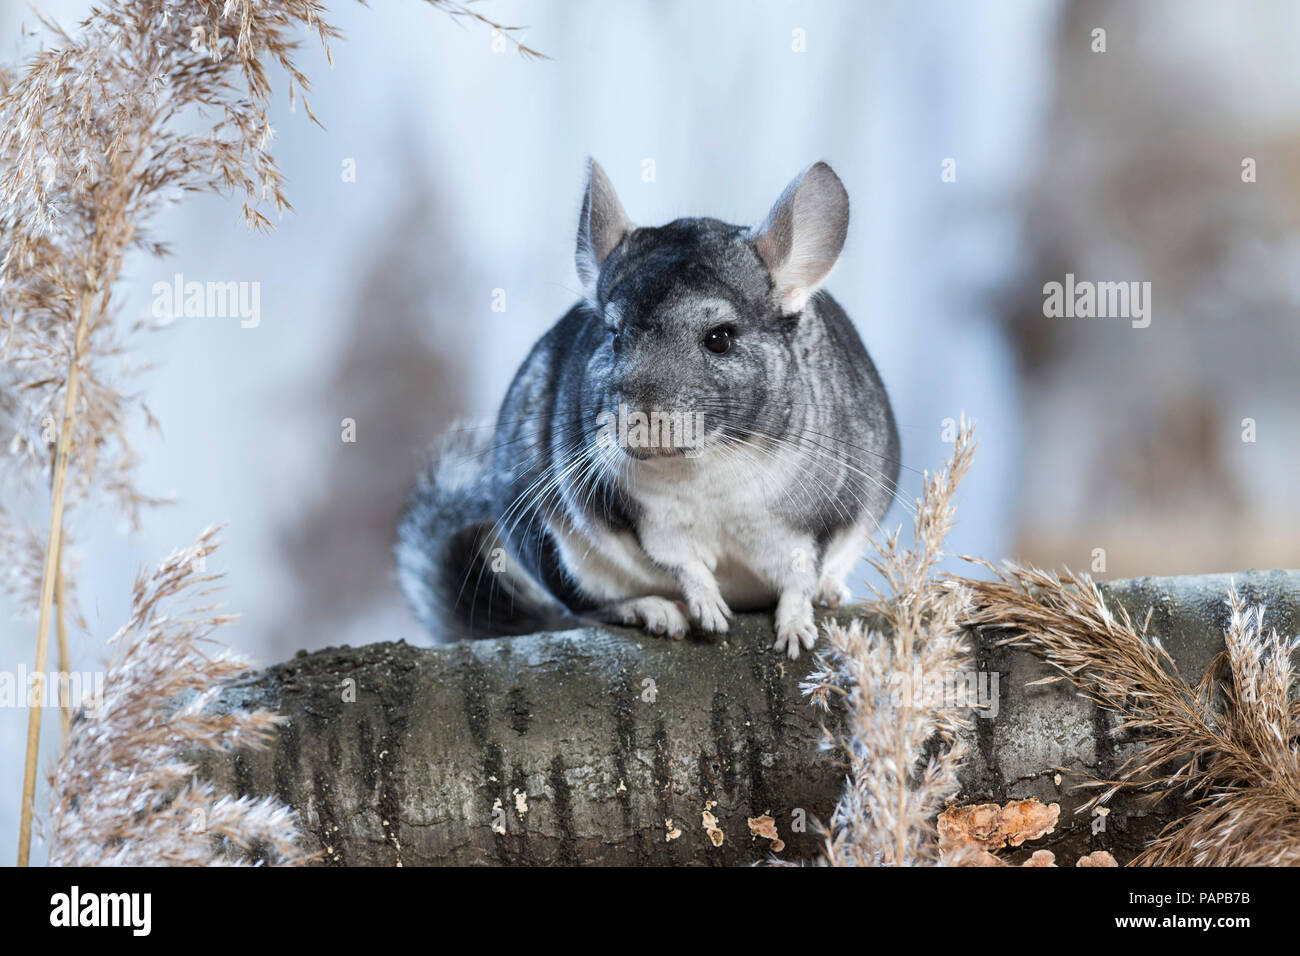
x=807, y=436
x=827, y=493
x=841, y=458
x=561, y=433
x=527, y=503
x=497, y=529
x=547, y=503
x=733, y=405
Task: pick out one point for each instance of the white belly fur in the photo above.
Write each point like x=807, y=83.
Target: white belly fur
x=716, y=506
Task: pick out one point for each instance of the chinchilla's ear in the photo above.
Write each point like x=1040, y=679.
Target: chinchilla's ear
x=801, y=238
x=601, y=225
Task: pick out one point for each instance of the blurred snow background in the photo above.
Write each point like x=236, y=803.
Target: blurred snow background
x=376, y=295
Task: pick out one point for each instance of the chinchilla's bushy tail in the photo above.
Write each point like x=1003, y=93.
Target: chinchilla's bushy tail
x=451, y=564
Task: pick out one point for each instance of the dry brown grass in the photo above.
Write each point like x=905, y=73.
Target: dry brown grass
x=145, y=102
x=124, y=792
x=890, y=672
x=1227, y=743
x=97, y=135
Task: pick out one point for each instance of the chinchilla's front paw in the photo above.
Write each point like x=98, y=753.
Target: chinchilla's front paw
x=794, y=626
x=831, y=593
x=708, y=610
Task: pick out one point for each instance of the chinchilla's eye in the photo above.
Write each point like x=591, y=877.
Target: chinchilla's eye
x=718, y=340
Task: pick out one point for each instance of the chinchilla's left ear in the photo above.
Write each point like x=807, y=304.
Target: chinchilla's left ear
x=801, y=238
x=602, y=225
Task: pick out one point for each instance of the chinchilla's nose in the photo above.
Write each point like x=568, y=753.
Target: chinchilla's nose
x=645, y=386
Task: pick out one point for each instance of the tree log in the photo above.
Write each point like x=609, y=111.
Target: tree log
x=609, y=746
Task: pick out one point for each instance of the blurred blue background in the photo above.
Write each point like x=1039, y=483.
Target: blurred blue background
x=376, y=294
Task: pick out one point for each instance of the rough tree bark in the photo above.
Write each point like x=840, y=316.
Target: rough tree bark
x=609, y=746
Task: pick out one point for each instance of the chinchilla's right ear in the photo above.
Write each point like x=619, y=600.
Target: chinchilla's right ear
x=801, y=239
x=601, y=226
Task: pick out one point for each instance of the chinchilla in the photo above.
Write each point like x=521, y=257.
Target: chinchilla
x=704, y=432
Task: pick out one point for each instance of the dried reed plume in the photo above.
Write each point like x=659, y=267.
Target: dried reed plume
x=95, y=139
x=893, y=674
x=1227, y=743
x=148, y=101
x=124, y=792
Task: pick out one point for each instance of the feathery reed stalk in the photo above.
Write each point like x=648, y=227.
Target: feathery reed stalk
x=96, y=134
x=49, y=573
x=61, y=626
x=124, y=792
x=893, y=673
x=93, y=146
x=1227, y=743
